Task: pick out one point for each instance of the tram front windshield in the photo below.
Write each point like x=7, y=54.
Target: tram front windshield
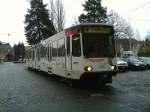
x=97, y=45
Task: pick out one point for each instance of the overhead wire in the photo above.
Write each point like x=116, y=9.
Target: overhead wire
x=136, y=8
x=139, y=19
x=140, y=6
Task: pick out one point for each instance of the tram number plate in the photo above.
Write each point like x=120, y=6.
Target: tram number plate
x=102, y=66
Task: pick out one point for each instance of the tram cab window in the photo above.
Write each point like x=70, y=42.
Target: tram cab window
x=97, y=45
x=76, y=47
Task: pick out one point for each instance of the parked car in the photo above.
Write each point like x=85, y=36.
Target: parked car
x=146, y=60
x=135, y=64
x=122, y=65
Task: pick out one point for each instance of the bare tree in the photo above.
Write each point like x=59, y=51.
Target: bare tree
x=75, y=21
x=137, y=35
x=122, y=28
x=147, y=37
x=52, y=10
x=57, y=14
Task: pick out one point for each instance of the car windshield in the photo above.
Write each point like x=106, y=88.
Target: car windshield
x=118, y=59
x=98, y=45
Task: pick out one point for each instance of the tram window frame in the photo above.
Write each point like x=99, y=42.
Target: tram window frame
x=76, y=45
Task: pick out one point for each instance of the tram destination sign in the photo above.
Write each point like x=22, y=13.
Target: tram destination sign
x=97, y=30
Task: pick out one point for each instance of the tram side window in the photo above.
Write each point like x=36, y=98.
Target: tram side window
x=38, y=54
x=76, y=47
x=43, y=52
x=61, y=47
x=68, y=46
x=48, y=52
x=32, y=55
x=54, y=49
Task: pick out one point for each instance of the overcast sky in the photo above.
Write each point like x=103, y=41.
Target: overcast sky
x=13, y=11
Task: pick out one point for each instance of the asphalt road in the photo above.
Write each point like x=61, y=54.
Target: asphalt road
x=22, y=90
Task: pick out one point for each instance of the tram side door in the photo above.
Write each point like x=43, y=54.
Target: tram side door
x=60, y=61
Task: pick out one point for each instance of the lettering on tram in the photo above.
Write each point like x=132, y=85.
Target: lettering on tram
x=84, y=51
x=97, y=30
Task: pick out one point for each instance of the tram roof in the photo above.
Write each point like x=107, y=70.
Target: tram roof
x=89, y=24
x=82, y=25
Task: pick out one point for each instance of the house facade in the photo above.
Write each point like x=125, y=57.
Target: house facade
x=5, y=48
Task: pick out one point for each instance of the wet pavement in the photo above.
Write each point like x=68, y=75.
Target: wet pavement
x=22, y=90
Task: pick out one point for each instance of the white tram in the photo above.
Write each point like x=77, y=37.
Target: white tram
x=81, y=51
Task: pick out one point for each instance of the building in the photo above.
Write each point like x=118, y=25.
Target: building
x=5, y=48
x=123, y=44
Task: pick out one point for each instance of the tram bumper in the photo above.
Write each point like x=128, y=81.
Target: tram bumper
x=102, y=73
x=103, y=76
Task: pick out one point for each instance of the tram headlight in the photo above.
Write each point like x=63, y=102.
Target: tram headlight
x=114, y=67
x=88, y=68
